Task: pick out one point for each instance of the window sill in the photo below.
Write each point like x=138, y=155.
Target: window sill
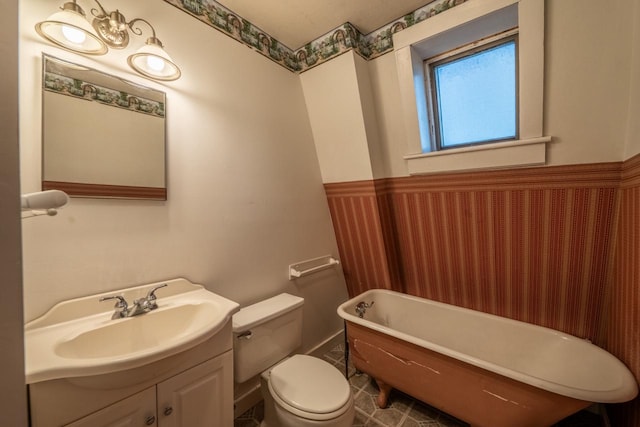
x=518, y=153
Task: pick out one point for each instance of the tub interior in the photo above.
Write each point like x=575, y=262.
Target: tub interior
x=502, y=345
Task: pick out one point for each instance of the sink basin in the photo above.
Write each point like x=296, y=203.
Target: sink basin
x=137, y=334
x=79, y=338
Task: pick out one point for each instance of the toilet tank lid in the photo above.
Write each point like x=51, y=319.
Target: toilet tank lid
x=265, y=310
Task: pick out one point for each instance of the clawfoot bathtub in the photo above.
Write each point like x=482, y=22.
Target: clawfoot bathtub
x=486, y=370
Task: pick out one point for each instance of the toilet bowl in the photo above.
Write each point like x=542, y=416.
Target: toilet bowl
x=298, y=390
x=304, y=391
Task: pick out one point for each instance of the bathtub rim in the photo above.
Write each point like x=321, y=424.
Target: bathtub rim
x=627, y=390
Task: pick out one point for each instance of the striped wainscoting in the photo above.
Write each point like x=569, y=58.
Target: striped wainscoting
x=364, y=235
x=531, y=244
x=623, y=337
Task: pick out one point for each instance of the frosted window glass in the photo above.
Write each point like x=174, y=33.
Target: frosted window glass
x=476, y=97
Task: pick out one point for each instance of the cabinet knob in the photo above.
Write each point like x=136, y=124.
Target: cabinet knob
x=168, y=410
x=151, y=420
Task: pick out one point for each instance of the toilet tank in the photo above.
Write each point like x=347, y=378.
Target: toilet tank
x=265, y=333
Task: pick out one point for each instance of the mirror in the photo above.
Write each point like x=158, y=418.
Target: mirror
x=102, y=136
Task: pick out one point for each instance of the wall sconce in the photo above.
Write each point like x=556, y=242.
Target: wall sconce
x=43, y=203
x=70, y=29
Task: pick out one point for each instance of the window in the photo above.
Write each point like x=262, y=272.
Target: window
x=493, y=117
x=472, y=93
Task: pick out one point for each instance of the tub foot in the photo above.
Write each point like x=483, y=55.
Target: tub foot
x=383, y=396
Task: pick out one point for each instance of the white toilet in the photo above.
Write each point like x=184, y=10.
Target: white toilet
x=300, y=390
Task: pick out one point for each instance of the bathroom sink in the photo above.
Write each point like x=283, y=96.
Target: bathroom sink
x=79, y=338
x=138, y=334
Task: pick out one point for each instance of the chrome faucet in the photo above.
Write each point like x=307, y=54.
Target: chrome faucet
x=140, y=306
x=361, y=308
x=146, y=304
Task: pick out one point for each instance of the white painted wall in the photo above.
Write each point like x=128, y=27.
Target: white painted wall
x=633, y=123
x=245, y=192
x=588, y=59
x=392, y=131
x=591, y=100
x=369, y=117
x=333, y=99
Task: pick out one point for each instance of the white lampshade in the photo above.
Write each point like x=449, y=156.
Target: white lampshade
x=69, y=29
x=152, y=61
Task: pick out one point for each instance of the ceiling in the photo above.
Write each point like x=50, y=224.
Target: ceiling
x=297, y=22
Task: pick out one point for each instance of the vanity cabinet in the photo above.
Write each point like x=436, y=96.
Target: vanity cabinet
x=193, y=388
x=136, y=411
x=199, y=397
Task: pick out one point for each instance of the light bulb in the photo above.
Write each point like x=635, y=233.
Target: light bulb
x=74, y=35
x=155, y=63
x=152, y=61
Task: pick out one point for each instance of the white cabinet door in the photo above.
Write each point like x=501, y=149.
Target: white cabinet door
x=199, y=397
x=138, y=410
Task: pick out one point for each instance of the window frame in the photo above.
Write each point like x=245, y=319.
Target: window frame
x=456, y=54
x=469, y=22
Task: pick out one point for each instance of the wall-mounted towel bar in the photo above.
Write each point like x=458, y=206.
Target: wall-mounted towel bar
x=310, y=266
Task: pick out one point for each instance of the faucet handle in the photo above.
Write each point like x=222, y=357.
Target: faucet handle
x=363, y=304
x=151, y=296
x=121, y=304
x=362, y=307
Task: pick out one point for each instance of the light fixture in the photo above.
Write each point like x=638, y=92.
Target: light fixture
x=43, y=202
x=152, y=60
x=70, y=29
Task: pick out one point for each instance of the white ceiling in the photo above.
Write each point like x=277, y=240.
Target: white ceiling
x=297, y=22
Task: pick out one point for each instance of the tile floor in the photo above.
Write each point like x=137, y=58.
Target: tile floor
x=403, y=411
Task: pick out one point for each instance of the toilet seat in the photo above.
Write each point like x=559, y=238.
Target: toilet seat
x=310, y=388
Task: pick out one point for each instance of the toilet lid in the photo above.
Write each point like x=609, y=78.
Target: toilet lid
x=310, y=384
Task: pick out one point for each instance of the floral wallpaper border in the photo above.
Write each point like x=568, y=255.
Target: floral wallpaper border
x=77, y=88
x=344, y=38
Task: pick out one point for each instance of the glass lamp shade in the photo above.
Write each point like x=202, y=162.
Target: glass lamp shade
x=152, y=61
x=69, y=29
